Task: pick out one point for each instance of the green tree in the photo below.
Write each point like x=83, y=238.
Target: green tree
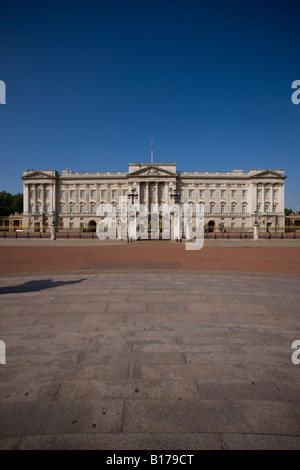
x=9, y=204
x=288, y=211
x=17, y=205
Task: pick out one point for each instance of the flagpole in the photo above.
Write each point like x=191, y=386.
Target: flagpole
x=151, y=151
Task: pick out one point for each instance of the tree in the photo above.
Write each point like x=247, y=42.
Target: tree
x=288, y=211
x=9, y=204
x=17, y=205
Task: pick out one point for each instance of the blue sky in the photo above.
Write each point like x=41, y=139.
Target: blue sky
x=90, y=83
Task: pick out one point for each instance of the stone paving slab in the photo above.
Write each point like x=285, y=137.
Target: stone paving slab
x=149, y=361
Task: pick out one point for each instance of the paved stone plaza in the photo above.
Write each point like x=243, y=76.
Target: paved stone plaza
x=155, y=360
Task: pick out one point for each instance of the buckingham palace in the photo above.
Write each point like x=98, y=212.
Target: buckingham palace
x=229, y=201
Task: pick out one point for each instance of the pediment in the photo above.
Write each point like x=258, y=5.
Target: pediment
x=37, y=174
x=268, y=174
x=152, y=170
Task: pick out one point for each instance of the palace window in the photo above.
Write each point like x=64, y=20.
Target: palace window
x=72, y=194
x=222, y=208
x=212, y=193
x=233, y=193
x=93, y=194
x=244, y=209
x=233, y=208
x=223, y=194
x=211, y=208
x=82, y=194
x=201, y=193
x=244, y=194
x=114, y=193
x=81, y=208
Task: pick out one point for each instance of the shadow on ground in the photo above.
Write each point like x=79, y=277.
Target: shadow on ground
x=35, y=286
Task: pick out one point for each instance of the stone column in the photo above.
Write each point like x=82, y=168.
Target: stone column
x=35, y=198
x=77, y=209
x=262, y=198
x=255, y=231
x=43, y=198
x=87, y=199
x=272, y=196
x=147, y=196
x=281, y=198
x=26, y=198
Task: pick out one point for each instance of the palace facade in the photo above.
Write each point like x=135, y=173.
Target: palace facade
x=228, y=200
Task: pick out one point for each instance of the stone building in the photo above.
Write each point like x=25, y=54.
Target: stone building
x=228, y=200
x=292, y=222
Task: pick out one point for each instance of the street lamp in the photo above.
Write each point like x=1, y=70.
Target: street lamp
x=133, y=195
x=176, y=197
x=255, y=214
x=132, y=218
x=177, y=234
x=255, y=227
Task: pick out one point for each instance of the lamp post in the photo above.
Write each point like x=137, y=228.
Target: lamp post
x=53, y=229
x=133, y=195
x=132, y=218
x=255, y=227
x=176, y=197
x=176, y=232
